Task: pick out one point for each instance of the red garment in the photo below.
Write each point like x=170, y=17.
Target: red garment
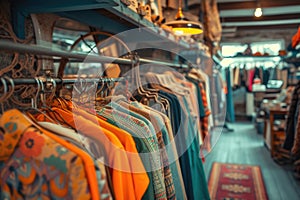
x=296, y=39
x=251, y=74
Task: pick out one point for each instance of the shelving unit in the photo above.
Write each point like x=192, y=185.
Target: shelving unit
x=293, y=59
x=252, y=59
x=108, y=15
x=113, y=16
x=274, y=138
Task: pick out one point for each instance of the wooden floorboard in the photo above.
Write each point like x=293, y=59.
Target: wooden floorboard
x=245, y=146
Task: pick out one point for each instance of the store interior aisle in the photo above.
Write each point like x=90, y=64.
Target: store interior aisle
x=245, y=146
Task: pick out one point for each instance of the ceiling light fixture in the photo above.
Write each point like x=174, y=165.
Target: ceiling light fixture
x=182, y=26
x=258, y=10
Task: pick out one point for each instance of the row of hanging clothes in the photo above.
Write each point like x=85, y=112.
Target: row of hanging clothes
x=243, y=76
x=81, y=142
x=239, y=79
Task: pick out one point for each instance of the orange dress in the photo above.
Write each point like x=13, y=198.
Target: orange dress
x=138, y=172
x=117, y=158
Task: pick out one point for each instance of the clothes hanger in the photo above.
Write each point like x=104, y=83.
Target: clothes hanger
x=58, y=100
x=8, y=91
x=99, y=92
x=67, y=104
x=49, y=111
x=33, y=110
x=11, y=91
x=174, y=83
x=3, y=97
x=146, y=95
x=165, y=83
x=44, y=109
x=82, y=87
x=137, y=78
x=154, y=82
x=104, y=94
x=54, y=115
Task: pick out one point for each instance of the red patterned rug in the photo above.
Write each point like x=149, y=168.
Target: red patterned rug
x=236, y=182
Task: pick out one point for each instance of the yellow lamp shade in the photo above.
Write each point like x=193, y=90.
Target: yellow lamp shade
x=182, y=26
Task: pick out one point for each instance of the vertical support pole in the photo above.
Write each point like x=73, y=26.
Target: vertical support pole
x=43, y=27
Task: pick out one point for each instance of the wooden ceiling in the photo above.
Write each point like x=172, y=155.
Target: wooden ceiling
x=238, y=21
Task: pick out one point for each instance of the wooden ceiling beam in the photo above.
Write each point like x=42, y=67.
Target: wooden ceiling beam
x=280, y=26
x=262, y=18
x=253, y=4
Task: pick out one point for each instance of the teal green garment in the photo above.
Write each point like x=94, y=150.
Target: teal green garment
x=170, y=153
x=188, y=142
x=197, y=178
x=199, y=97
x=230, y=114
x=190, y=162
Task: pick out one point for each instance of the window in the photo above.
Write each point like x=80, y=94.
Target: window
x=259, y=48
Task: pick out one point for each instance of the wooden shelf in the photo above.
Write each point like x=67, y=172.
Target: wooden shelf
x=254, y=58
x=292, y=60
x=278, y=111
x=278, y=131
x=108, y=15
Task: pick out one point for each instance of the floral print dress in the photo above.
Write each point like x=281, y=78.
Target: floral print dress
x=34, y=166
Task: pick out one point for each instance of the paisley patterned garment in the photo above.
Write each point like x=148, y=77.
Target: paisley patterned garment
x=34, y=166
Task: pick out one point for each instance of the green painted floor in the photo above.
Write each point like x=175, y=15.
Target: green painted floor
x=245, y=146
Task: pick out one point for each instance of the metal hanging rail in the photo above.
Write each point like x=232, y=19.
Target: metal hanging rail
x=33, y=81
x=41, y=50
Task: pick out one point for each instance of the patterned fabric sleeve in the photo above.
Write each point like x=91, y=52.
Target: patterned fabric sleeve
x=37, y=166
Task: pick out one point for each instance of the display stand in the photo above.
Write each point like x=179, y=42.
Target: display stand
x=274, y=137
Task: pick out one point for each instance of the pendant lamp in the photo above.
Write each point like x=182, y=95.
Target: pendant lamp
x=258, y=10
x=182, y=26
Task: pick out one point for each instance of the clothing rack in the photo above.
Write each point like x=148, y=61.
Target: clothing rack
x=48, y=85
x=46, y=51
x=21, y=81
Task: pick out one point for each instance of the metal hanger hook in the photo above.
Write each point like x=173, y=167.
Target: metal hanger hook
x=4, y=90
x=11, y=91
x=42, y=92
x=135, y=59
x=53, y=89
x=34, y=100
